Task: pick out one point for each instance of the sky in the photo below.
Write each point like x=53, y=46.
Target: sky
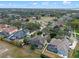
x=39, y=4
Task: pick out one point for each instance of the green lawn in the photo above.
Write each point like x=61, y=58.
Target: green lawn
x=43, y=20
x=75, y=53
x=16, y=52
x=77, y=30
x=25, y=53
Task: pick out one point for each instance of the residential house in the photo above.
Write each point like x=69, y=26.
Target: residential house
x=34, y=18
x=4, y=34
x=7, y=29
x=10, y=30
x=39, y=41
x=59, y=46
x=18, y=35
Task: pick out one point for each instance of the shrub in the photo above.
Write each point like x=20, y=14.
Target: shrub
x=43, y=56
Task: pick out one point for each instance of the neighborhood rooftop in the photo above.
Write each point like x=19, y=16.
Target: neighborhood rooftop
x=7, y=28
x=62, y=46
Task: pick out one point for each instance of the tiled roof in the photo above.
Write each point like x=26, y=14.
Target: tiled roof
x=7, y=28
x=2, y=26
x=10, y=30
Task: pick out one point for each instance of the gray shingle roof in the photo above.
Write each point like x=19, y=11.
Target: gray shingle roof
x=38, y=40
x=18, y=35
x=62, y=45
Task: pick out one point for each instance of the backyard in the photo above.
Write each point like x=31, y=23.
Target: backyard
x=10, y=51
x=75, y=53
x=51, y=54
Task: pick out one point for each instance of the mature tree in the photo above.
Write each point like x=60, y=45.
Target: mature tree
x=75, y=23
x=6, y=21
x=55, y=19
x=43, y=56
x=25, y=40
x=17, y=24
x=27, y=19
x=19, y=44
x=38, y=17
x=32, y=26
x=39, y=32
x=1, y=37
x=52, y=34
x=33, y=46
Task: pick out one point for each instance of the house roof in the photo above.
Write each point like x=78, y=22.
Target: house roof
x=10, y=30
x=52, y=48
x=7, y=28
x=62, y=45
x=4, y=34
x=38, y=40
x=18, y=35
x=2, y=26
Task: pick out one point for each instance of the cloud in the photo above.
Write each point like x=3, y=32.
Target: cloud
x=34, y=3
x=66, y=2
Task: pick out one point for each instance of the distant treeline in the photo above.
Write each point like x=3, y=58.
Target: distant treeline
x=35, y=12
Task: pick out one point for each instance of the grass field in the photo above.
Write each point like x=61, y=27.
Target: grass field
x=75, y=53
x=43, y=20
x=51, y=54
x=16, y=52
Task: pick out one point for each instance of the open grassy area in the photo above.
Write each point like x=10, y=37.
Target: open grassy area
x=16, y=52
x=51, y=54
x=25, y=53
x=75, y=21
x=75, y=53
x=43, y=20
x=77, y=30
